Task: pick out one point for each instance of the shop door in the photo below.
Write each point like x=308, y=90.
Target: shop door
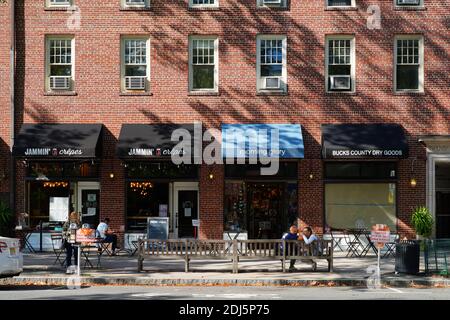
x=89, y=203
x=186, y=210
x=442, y=214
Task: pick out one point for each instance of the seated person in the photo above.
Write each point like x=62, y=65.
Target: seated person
x=107, y=234
x=291, y=235
x=309, y=238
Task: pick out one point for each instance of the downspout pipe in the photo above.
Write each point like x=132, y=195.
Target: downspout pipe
x=12, y=53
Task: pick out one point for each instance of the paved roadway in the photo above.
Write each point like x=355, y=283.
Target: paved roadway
x=214, y=293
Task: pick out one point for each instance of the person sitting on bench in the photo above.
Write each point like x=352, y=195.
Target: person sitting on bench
x=107, y=234
x=309, y=238
x=291, y=235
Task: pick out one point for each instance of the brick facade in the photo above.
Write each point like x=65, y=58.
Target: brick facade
x=5, y=114
x=97, y=97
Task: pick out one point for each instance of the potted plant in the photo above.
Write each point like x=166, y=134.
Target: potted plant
x=5, y=219
x=422, y=222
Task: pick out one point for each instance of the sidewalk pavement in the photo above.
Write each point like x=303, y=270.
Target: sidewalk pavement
x=122, y=270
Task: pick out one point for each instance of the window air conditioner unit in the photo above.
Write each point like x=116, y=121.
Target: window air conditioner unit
x=135, y=83
x=272, y=83
x=408, y=2
x=60, y=82
x=272, y=2
x=340, y=82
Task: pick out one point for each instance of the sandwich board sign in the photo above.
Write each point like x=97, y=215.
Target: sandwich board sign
x=158, y=228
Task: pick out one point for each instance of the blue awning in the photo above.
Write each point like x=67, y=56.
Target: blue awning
x=259, y=140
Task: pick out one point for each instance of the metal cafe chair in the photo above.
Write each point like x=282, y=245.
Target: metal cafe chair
x=353, y=244
x=337, y=236
x=390, y=246
x=58, y=249
x=103, y=247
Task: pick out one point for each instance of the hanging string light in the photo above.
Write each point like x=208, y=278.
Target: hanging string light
x=141, y=187
x=56, y=184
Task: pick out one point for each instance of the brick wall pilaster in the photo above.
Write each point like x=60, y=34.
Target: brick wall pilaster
x=211, y=201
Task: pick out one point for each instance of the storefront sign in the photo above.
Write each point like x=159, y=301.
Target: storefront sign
x=363, y=141
x=85, y=235
x=154, y=152
x=158, y=228
x=380, y=235
x=364, y=153
x=53, y=152
x=262, y=141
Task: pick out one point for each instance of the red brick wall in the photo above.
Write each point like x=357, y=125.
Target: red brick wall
x=5, y=118
x=236, y=23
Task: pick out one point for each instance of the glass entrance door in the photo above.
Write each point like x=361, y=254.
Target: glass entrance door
x=89, y=203
x=443, y=214
x=186, y=208
x=442, y=180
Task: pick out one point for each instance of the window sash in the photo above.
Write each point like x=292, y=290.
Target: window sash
x=203, y=52
x=203, y=2
x=340, y=3
x=60, y=2
x=203, y=64
x=408, y=52
x=339, y=52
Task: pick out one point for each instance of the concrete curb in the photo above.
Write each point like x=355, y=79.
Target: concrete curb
x=148, y=281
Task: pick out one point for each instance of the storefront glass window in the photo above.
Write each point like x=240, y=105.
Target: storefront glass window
x=52, y=170
x=368, y=198
x=264, y=210
x=235, y=207
x=41, y=194
x=145, y=199
x=164, y=169
x=286, y=170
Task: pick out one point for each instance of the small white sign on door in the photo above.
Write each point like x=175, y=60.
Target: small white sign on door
x=195, y=222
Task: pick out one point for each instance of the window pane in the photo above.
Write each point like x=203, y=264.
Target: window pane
x=60, y=70
x=408, y=77
x=137, y=71
x=332, y=3
x=203, y=76
x=350, y=205
x=271, y=70
x=339, y=51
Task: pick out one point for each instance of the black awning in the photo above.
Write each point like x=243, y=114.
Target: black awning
x=60, y=141
x=149, y=141
x=363, y=141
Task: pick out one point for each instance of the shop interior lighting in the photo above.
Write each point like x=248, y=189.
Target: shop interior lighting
x=57, y=184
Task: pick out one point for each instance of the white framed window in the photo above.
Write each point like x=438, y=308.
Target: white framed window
x=203, y=3
x=409, y=3
x=340, y=63
x=271, y=73
x=58, y=3
x=135, y=3
x=272, y=3
x=203, y=63
x=408, y=62
x=60, y=63
x=135, y=63
x=340, y=3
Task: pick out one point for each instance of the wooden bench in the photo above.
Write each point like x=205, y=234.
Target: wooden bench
x=235, y=250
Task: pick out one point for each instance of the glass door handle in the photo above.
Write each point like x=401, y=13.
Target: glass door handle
x=176, y=220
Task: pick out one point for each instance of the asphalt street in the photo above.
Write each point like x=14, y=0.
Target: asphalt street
x=220, y=293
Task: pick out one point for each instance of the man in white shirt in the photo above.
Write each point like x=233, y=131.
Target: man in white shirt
x=311, y=239
x=107, y=234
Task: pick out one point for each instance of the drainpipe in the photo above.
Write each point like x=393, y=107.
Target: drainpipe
x=12, y=175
